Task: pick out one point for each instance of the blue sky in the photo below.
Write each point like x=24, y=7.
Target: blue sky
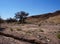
x=8, y=8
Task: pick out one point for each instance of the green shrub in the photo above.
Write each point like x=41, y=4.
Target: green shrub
x=58, y=36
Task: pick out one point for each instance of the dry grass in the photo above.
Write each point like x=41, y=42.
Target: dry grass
x=55, y=19
x=11, y=29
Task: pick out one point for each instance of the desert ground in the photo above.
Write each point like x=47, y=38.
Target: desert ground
x=29, y=33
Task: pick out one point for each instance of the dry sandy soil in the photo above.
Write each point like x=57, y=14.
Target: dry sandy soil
x=29, y=34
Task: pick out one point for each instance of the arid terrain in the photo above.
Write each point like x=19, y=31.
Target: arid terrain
x=40, y=29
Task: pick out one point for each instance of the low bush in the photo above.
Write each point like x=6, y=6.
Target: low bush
x=58, y=35
x=41, y=30
x=19, y=29
x=11, y=29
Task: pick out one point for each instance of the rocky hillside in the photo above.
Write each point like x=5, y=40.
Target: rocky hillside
x=49, y=17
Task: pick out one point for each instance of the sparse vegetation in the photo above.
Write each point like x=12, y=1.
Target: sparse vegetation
x=39, y=24
x=18, y=29
x=10, y=20
x=11, y=29
x=41, y=30
x=1, y=20
x=58, y=35
x=29, y=32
